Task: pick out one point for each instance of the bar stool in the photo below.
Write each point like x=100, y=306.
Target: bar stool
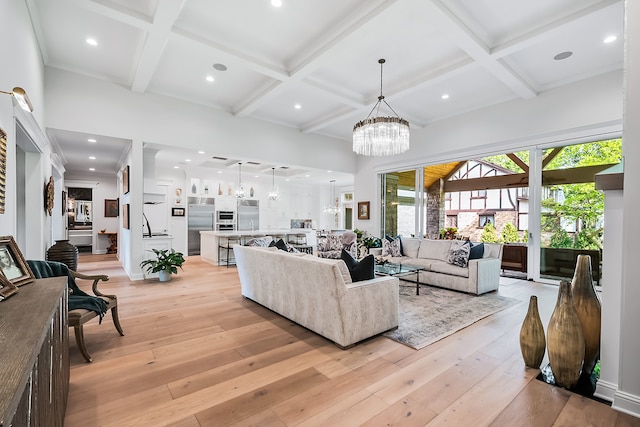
x=225, y=244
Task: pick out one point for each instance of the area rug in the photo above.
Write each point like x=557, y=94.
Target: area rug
x=437, y=313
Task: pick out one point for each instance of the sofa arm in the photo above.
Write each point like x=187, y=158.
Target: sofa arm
x=369, y=307
x=487, y=272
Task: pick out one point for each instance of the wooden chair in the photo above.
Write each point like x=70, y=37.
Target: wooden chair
x=79, y=316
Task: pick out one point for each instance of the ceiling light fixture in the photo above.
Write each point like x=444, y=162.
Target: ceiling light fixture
x=240, y=190
x=332, y=207
x=381, y=136
x=562, y=55
x=21, y=97
x=610, y=39
x=273, y=194
x=210, y=79
x=92, y=41
x=276, y=3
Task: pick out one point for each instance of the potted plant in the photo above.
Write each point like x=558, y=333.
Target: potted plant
x=165, y=263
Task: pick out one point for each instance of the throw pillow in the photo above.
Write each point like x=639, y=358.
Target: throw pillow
x=359, y=270
x=477, y=251
x=280, y=244
x=260, y=241
x=391, y=247
x=459, y=253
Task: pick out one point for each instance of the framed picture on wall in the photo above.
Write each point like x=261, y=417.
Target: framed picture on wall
x=125, y=216
x=12, y=263
x=177, y=211
x=125, y=180
x=3, y=167
x=363, y=210
x=110, y=208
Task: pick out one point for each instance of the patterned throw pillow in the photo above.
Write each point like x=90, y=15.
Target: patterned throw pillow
x=459, y=253
x=391, y=247
x=260, y=241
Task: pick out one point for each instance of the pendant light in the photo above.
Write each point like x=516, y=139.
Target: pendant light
x=381, y=136
x=240, y=190
x=273, y=194
x=332, y=207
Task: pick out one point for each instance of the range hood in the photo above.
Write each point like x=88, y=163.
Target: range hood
x=152, y=193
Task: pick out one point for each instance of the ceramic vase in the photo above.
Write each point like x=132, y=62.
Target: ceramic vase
x=588, y=309
x=164, y=275
x=565, y=341
x=532, y=340
x=65, y=252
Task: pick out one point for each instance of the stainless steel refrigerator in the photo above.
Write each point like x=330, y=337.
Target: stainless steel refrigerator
x=248, y=215
x=200, y=217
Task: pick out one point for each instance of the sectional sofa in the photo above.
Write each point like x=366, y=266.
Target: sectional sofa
x=318, y=293
x=481, y=275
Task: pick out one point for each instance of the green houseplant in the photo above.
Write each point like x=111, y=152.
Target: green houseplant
x=165, y=263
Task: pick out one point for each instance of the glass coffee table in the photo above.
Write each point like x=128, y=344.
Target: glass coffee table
x=397, y=270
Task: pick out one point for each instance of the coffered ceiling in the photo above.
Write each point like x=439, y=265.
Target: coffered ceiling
x=443, y=57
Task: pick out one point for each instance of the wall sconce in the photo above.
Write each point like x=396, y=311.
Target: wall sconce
x=21, y=96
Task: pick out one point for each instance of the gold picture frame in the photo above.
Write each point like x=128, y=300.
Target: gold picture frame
x=3, y=168
x=363, y=210
x=12, y=263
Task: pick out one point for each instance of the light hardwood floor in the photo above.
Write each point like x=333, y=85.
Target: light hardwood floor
x=196, y=353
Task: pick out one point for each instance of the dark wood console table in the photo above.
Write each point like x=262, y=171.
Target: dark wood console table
x=34, y=362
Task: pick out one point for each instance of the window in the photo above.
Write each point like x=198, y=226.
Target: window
x=484, y=220
x=479, y=194
x=452, y=221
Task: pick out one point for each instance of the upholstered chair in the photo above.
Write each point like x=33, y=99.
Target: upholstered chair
x=332, y=245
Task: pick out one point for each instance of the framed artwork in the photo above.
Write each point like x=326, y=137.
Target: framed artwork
x=12, y=263
x=64, y=202
x=125, y=180
x=49, y=195
x=363, y=210
x=3, y=168
x=6, y=288
x=177, y=211
x=125, y=216
x=110, y=208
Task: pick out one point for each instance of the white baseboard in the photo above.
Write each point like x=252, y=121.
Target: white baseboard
x=606, y=390
x=627, y=403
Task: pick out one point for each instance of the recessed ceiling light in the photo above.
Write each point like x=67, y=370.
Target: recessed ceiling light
x=307, y=176
x=92, y=157
x=187, y=160
x=176, y=167
x=445, y=96
x=91, y=41
x=210, y=79
x=287, y=179
x=610, y=39
x=329, y=171
x=562, y=55
x=219, y=171
x=276, y=3
x=200, y=152
x=255, y=176
x=220, y=67
x=297, y=106
x=91, y=140
x=92, y=169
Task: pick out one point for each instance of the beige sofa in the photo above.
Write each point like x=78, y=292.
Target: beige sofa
x=318, y=293
x=480, y=276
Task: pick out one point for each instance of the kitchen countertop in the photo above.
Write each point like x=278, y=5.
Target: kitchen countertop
x=166, y=236
x=260, y=232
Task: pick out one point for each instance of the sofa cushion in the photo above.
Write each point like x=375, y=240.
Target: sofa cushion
x=282, y=245
x=477, y=251
x=359, y=270
x=434, y=249
x=459, y=253
x=450, y=269
x=410, y=246
x=391, y=247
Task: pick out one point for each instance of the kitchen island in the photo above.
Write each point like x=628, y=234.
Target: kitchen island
x=209, y=240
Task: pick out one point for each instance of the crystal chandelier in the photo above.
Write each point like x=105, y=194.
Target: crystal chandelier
x=273, y=194
x=332, y=207
x=240, y=190
x=381, y=136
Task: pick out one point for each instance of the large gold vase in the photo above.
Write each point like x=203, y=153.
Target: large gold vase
x=532, y=340
x=588, y=309
x=565, y=341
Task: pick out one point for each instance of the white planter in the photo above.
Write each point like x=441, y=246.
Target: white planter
x=164, y=275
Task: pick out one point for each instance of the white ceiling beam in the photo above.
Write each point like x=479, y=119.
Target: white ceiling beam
x=116, y=12
x=474, y=47
x=547, y=31
x=166, y=14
